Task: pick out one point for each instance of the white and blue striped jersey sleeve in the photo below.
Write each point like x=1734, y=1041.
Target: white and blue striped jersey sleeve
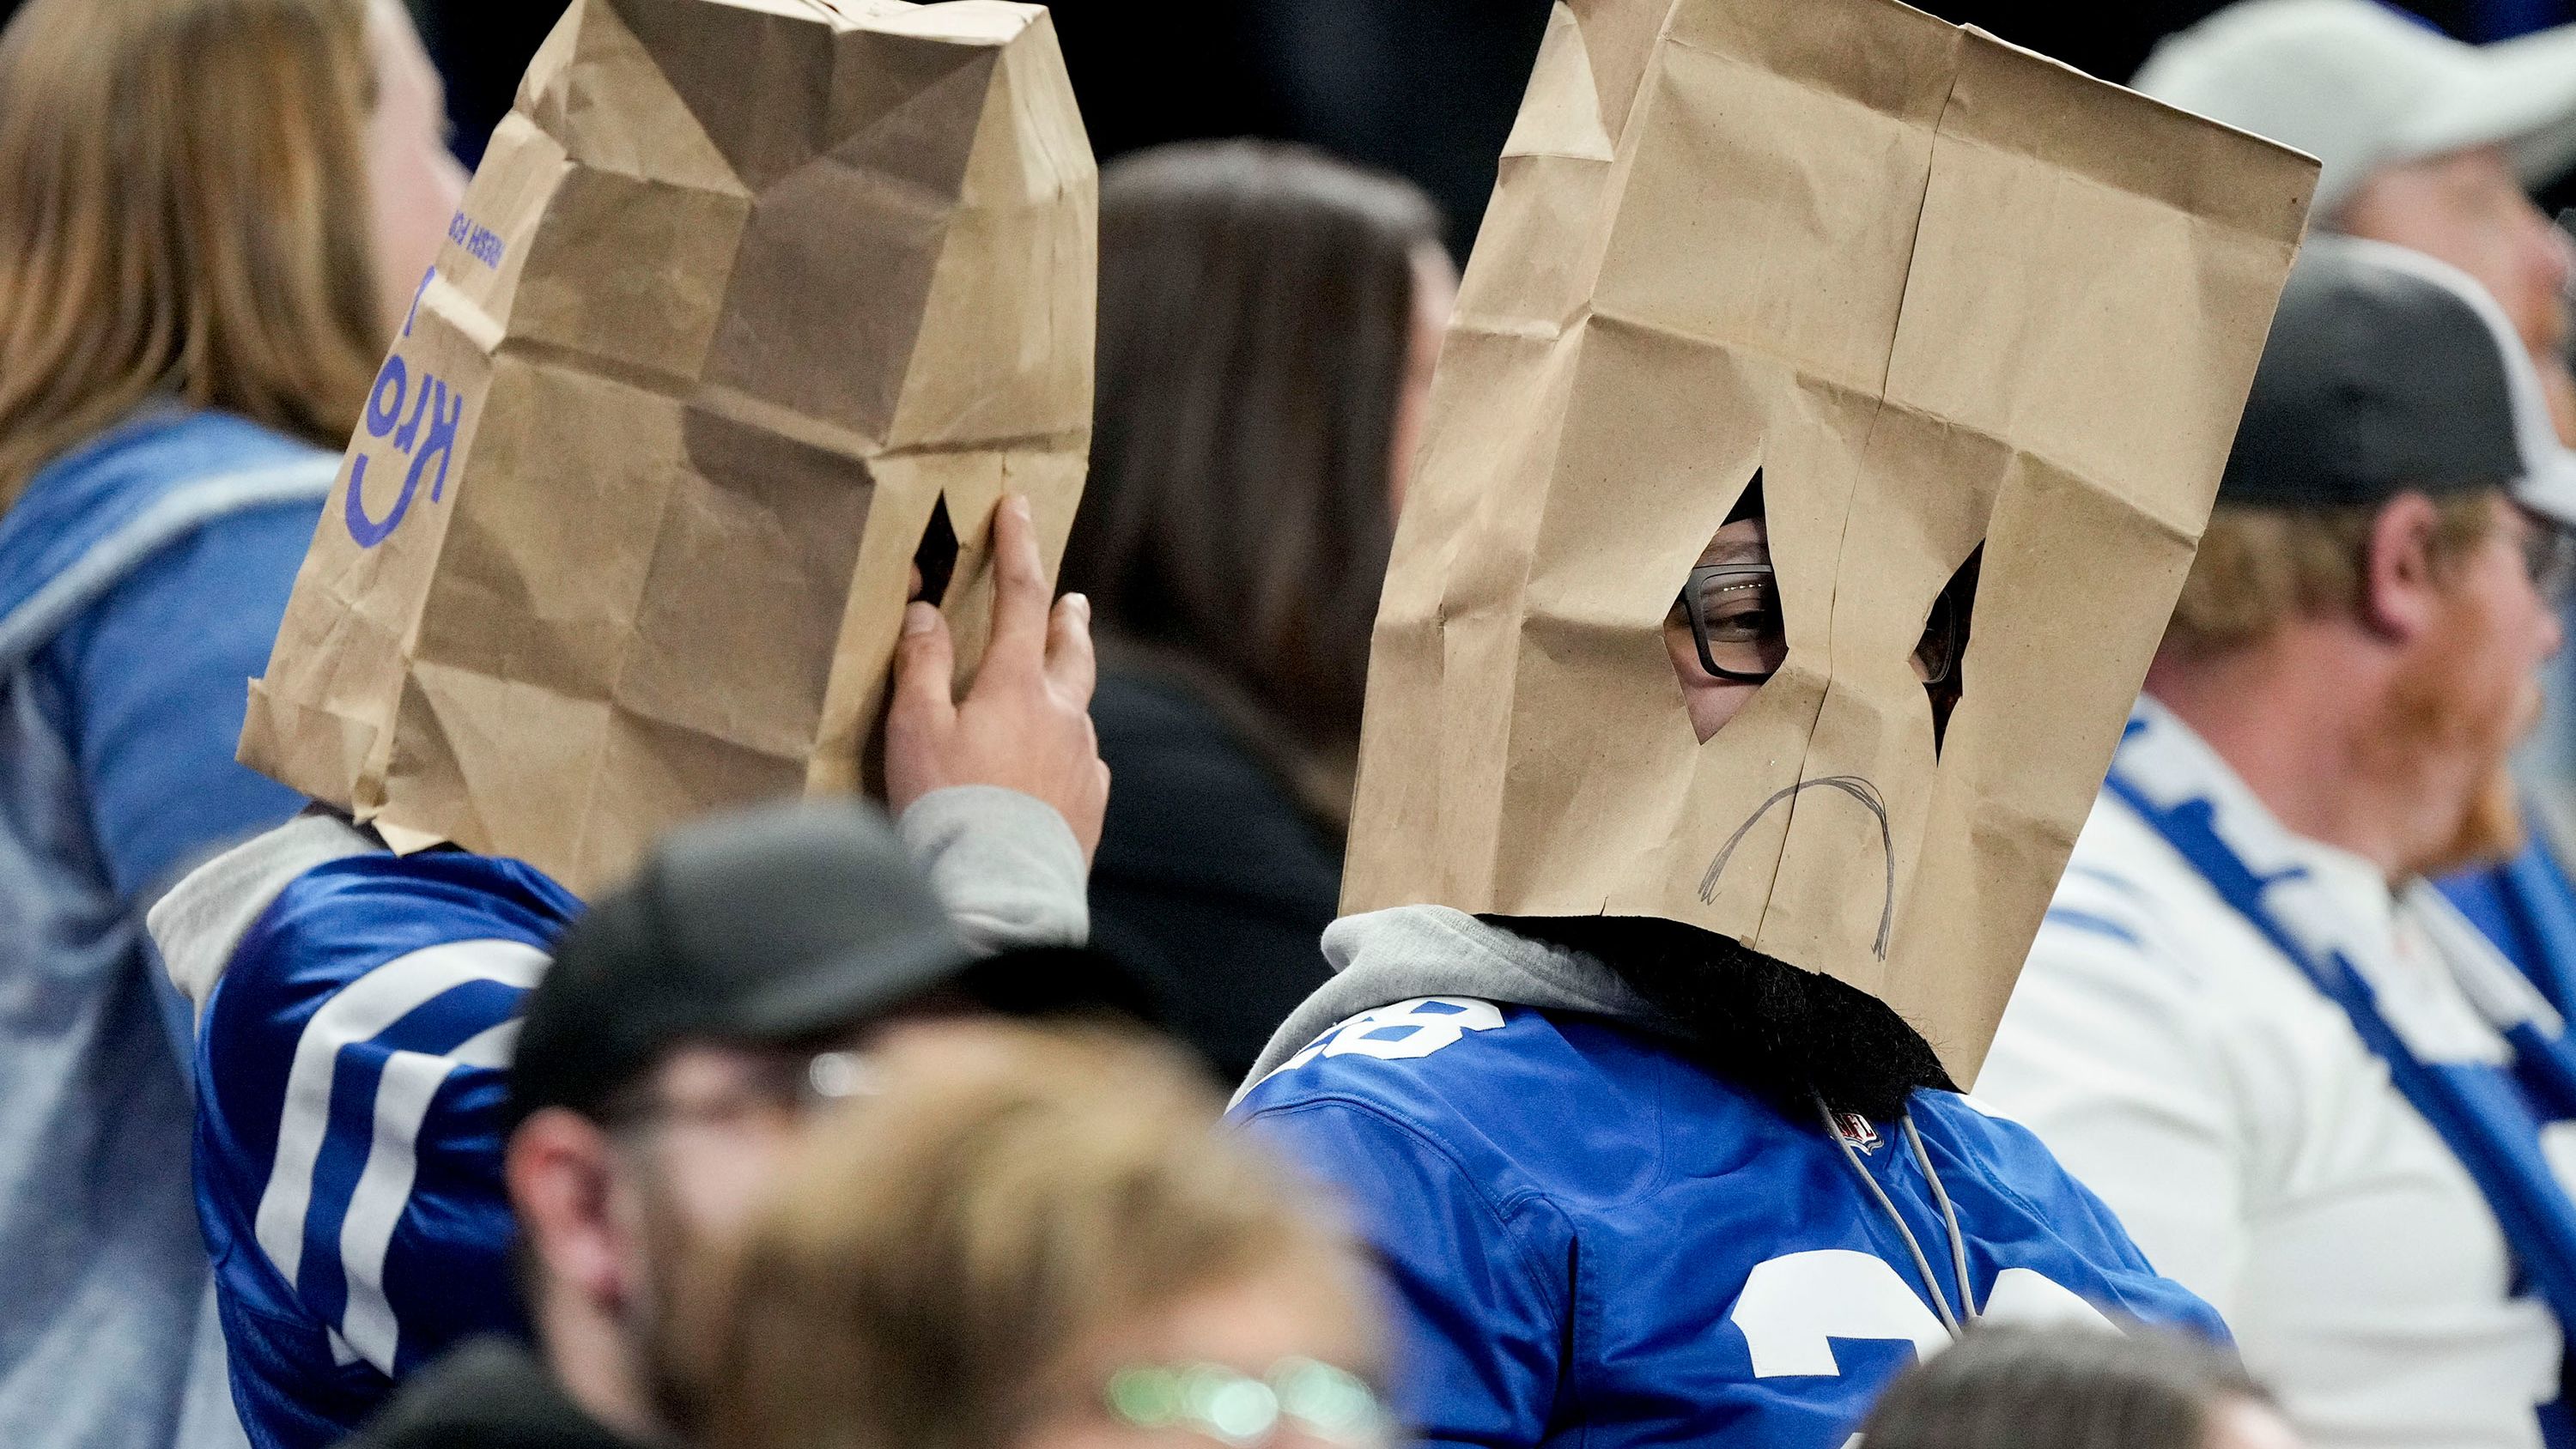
x=353, y=1066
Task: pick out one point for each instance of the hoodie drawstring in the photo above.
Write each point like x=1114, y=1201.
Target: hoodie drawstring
x=1913, y=1246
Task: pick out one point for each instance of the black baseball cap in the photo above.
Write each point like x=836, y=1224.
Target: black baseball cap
x=775, y=925
x=2388, y=371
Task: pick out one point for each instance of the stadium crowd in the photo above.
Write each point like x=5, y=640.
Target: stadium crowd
x=1145, y=1060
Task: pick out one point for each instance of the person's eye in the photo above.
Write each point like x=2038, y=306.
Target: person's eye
x=1749, y=616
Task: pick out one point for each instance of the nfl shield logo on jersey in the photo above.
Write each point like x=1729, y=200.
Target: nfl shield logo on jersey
x=1855, y=1129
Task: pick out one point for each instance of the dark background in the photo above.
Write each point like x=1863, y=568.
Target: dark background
x=1425, y=88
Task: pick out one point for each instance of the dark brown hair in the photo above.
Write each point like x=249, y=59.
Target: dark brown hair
x=1255, y=314
x=183, y=210
x=2058, y=1388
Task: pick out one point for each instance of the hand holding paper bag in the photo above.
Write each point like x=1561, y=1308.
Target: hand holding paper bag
x=748, y=298
x=1950, y=301
x=1026, y=725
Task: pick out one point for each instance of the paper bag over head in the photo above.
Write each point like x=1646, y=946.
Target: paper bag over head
x=748, y=299
x=1950, y=299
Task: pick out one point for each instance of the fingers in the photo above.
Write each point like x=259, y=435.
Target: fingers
x=925, y=673
x=1019, y=585
x=1070, y=665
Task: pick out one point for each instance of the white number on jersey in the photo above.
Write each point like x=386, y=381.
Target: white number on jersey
x=1793, y=1307
x=1405, y=1030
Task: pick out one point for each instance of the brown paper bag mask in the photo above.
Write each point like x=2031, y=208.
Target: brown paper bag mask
x=1949, y=298
x=747, y=299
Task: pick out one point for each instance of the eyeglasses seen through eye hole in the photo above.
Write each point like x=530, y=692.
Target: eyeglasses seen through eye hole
x=1735, y=620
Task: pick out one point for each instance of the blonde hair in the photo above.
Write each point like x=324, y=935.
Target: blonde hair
x=183, y=210
x=939, y=1249
x=2260, y=568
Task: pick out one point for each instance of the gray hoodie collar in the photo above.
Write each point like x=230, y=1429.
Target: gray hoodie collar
x=1406, y=952
x=199, y=921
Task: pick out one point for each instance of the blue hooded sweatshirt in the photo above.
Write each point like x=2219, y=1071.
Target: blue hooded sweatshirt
x=1593, y=1241
x=141, y=581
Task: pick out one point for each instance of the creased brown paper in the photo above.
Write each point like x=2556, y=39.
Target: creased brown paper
x=744, y=293
x=1943, y=293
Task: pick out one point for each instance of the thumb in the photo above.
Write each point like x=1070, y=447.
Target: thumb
x=925, y=672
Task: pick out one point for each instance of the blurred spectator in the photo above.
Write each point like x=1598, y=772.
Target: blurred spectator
x=688, y=1025
x=1034, y=1240
x=2309, y=1088
x=2427, y=143
x=1268, y=323
x=360, y=1230
x=2022, y=1388
x=211, y=213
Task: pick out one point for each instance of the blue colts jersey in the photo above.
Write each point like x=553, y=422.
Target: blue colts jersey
x=351, y=1066
x=1592, y=1241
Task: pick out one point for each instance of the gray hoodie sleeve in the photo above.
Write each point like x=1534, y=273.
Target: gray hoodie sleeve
x=1005, y=865
x=197, y=922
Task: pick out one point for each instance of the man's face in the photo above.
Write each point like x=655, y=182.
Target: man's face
x=721, y=1120
x=2468, y=209
x=697, y=1155
x=2471, y=690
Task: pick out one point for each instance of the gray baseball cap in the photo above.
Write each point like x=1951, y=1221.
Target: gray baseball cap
x=2359, y=86
x=2388, y=371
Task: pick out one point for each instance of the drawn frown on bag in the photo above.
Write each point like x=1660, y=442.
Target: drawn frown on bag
x=1949, y=300
x=749, y=302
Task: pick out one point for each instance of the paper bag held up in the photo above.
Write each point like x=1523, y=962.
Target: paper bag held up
x=748, y=299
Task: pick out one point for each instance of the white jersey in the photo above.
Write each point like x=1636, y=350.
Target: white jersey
x=2189, y=1074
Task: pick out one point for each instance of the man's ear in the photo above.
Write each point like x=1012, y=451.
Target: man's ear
x=2401, y=589
x=562, y=1174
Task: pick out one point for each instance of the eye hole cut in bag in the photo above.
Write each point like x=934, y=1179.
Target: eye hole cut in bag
x=937, y=556
x=1945, y=634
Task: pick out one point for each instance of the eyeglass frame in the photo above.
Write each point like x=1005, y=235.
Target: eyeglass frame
x=1184, y=1396
x=1944, y=614
x=799, y=1087
x=2548, y=552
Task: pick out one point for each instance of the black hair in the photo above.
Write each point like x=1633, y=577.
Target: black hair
x=1788, y=1035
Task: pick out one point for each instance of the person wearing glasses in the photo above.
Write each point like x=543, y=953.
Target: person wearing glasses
x=1727, y=634
x=692, y=1024
x=357, y=1011
x=2436, y=146
x=1636, y=1183
x=2313, y=1092
x=1035, y=1238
